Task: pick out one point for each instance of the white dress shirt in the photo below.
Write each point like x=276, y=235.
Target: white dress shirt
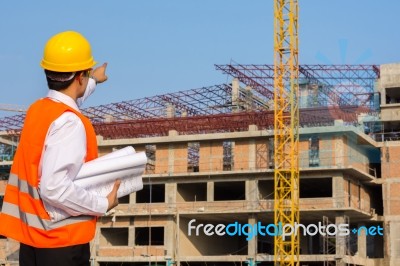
x=63, y=154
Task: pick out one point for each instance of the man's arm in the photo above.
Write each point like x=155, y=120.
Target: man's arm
x=98, y=75
x=62, y=158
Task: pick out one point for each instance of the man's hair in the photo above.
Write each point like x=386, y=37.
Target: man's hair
x=60, y=80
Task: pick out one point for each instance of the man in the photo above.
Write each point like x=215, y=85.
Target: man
x=55, y=141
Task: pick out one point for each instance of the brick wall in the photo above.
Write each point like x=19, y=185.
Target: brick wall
x=241, y=155
x=162, y=151
x=211, y=156
x=180, y=157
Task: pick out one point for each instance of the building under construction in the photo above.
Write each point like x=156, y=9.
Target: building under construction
x=211, y=161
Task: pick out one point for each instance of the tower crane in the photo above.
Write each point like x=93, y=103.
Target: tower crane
x=286, y=134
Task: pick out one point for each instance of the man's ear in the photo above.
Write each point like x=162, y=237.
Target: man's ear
x=79, y=78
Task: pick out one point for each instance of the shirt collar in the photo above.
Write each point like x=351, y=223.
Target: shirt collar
x=61, y=97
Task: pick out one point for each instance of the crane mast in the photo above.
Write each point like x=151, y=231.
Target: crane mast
x=286, y=124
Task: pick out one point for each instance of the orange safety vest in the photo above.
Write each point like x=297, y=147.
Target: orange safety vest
x=23, y=216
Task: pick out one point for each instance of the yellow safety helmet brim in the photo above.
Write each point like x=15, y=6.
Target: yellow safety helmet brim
x=67, y=51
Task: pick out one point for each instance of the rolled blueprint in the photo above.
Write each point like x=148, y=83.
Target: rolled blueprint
x=98, y=176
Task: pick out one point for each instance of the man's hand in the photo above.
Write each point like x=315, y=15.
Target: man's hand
x=100, y=73
x=112, y=196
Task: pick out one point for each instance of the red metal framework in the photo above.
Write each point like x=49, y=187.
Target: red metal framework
x=224, y=122
x=232, y=122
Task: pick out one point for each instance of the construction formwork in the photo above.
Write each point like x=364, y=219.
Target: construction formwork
x=210, y=158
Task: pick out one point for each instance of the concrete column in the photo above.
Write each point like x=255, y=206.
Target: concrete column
x=251, y=193
x=362, y=242
x=131, y=236
x=338, y=191
x=170, y=192
x=252, y=149
x=170, y=111
x=171, y=158
x=210, y=191
x=171, y=152
x=340, y=243
x=235, y=94
x=392, y=236
x=252, y=243
x=339, y=154
x=176, y=251
x=169, y=236
x=382, y=90
x=132, y=198
x=252, y=154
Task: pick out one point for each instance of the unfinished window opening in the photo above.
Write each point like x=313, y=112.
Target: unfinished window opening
x=266, y=189
x=151, y=193
x=265, y=245
x=314, y=151
x=124, y=200
x=227, y=155
x=375, y=169
x=375, y=163
x=212, y=244
x=191, y=192
x=151, y=158
x=148, y=236
x=271, y=158
x=392, y=95
x=316, y=188
x=311, y=244
x=4, y=175
x=375, y=244
x=229, y=190
x=114, y=236
x=7, y=152
x=377, y=202
x=352, y=242
x=193, y=156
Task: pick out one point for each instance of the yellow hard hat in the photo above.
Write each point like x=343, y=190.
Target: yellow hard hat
x=67, y=51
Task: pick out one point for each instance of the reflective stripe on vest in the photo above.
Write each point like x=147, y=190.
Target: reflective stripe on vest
x=23, y=186
x=33, y=220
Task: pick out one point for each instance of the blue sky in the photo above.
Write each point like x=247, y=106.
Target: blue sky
x=160, y=46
